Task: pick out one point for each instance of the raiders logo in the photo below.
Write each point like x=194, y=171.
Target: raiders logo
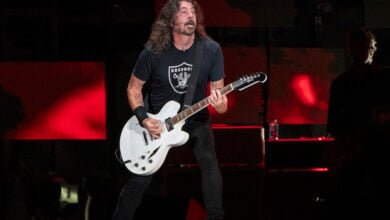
x=178, y=77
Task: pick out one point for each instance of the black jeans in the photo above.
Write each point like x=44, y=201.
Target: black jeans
x=202, y=143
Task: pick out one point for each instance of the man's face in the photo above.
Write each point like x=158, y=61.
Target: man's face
x=362, y=50
x=185, y=19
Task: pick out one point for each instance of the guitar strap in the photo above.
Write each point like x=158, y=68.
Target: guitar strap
x=194, y=75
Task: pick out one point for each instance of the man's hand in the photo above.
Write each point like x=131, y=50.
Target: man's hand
x=218, y=101
x=154, y=126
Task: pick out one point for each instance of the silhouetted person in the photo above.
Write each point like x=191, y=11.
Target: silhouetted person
x=358, y=114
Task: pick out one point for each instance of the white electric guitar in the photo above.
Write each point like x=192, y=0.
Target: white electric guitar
x=144, y=155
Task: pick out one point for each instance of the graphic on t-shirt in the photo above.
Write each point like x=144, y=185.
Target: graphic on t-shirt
x=178, y=77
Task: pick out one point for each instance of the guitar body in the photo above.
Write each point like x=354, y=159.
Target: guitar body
x=141, y=153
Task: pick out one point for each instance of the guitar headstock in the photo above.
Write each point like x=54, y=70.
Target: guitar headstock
x=249, y=80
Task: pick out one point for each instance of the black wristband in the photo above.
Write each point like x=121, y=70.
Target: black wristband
x=140, y=113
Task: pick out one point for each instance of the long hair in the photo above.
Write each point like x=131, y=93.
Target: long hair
x=161, y=34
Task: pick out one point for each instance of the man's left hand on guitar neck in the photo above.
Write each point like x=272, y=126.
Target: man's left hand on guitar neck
x=218, y=101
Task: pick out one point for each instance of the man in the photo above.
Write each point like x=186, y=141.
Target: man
x=166, y=64
x=357, y=111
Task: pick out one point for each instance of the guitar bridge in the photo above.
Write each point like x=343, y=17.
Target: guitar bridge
x=168, y=124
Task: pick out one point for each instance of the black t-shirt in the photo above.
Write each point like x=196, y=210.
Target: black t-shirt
x=353, y=98
x=168, y=74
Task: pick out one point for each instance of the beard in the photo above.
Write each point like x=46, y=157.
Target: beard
x=187, y=28
x=189, y=31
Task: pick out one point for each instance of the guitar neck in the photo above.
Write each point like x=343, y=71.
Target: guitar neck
x=190, y=111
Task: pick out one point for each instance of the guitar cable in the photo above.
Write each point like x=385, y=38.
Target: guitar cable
x=119, y=156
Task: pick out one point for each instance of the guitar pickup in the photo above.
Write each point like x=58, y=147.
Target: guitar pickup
x=145, y=137
x=168, y=124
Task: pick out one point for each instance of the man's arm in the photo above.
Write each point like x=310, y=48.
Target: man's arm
x=135, y=98
x=134, y=92
x=216, y=99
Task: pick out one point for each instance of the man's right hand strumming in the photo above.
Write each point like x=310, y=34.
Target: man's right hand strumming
x=154, y=126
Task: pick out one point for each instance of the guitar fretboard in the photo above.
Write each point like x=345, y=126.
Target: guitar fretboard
x=183, y=115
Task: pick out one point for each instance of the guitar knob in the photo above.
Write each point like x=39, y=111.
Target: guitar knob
x=143, y=168
x=136, y=164
x=143, y=157
x=150, y=161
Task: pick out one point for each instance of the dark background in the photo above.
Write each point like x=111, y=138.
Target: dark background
x=113, y=32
